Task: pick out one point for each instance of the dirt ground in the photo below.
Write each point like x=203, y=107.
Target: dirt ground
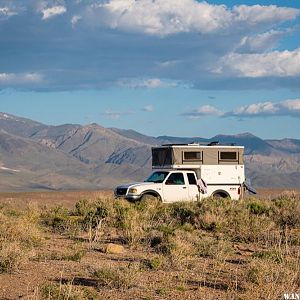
x=149, y=284
x=208, y=279
x=53, y=198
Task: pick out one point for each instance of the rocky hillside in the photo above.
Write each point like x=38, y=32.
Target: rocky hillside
x=71, y=156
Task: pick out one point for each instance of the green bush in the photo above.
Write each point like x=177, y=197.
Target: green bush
x=56, y=218
x=257, y=208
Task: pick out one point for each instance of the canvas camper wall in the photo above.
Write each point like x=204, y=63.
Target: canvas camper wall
x=190, y=155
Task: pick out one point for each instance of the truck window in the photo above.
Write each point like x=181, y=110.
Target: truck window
x=192, y=155
x=157, y=177
x=191, y=178
x=228, y=156
x=175, y=178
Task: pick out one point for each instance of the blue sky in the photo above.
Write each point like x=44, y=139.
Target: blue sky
x=163, y=67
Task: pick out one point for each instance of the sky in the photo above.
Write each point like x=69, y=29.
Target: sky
x=160, y=67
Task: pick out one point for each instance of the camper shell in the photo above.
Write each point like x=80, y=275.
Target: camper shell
x=182, y=156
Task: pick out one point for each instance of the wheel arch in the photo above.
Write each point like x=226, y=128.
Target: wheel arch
x=221, y=193
x=152, y=193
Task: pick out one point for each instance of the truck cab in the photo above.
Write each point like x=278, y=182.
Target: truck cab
x=166, y=185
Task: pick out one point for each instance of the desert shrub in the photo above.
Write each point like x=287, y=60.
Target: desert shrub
x=209, y=221
x=136, y=221
x=32, y=213
x=211, y=214
x=116, y=277
x=161, y=292
x=156, y=263
x=12, y=256
x=268, y=280
x=246, y=227
x=212, y=247
x=92, y=212
x=257, y=208
x=286, y=212
x=184, y=213
x=167, y=230
x=19, y=229
x=56, y=218
x=178, y=248
x=121, y=210
x=148, y=205
x=289, y=194
x=19, y=233
x=76, y=253
x=133, y=230
x=273, y=255
x=83, y=207
x=59, y=291
x=161, y=215
x=154, y=238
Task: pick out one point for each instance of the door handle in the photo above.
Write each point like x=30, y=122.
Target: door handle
x=184, y=187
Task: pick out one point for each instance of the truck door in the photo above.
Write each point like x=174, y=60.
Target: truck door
x=192, y=187
x=175, y=188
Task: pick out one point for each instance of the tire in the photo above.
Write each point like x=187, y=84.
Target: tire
x=148, y=197
x=220, y=195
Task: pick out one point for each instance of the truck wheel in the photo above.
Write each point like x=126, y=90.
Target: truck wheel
x=149, y=198
x=220, y=195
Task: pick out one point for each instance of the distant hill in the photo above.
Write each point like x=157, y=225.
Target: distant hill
x=71, y=156
x=19, y=126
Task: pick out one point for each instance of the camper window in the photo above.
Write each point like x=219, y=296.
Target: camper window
x=192, y=155
x=228, y=156
x=175, y=178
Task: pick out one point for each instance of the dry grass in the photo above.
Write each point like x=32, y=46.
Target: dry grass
x=246, y=249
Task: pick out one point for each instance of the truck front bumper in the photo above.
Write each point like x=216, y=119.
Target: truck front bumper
x=133, y=197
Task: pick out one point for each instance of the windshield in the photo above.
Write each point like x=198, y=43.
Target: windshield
x=157, y=177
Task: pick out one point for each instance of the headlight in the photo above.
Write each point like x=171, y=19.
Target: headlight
x=132, y=191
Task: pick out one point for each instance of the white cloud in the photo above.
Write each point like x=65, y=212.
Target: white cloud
x=234, y=42
x=167, y=17
x=276, y=63
x=53, y=11
x=24, y=78
x=6, y=12
x=148, y=108
x=168, y=64
x=115, y=115
x=263, y=14
x=263, y=108
x=75, y=20
x=151, y=83
x=205, y=110
x=290, y=107
x=260, y=42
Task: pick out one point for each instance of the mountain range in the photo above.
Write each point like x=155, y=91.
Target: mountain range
x=35, y=156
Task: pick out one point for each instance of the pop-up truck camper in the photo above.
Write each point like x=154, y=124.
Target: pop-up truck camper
x=191, y=172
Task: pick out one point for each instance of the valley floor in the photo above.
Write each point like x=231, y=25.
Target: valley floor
x=85, y=245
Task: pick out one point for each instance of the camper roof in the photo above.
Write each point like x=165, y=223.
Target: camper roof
x=210, y=144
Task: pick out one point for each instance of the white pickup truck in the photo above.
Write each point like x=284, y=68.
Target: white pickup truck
x=167, y=186
x=176, y=185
